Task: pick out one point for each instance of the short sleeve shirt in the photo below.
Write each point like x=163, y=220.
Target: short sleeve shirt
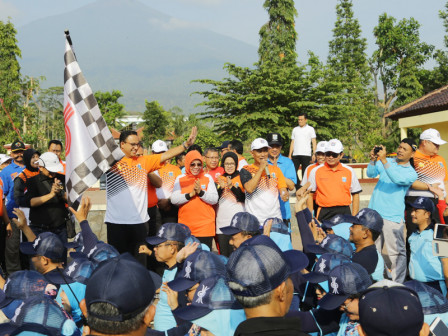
x=334, y=187
x=263, y=201
x=127, y=189
x=302, y=139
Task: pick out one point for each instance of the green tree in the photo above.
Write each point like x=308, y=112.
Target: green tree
x=109, y=106
x=155, y=122
x=348, y=81
x=278, y=36
x=396, y=65
x=10, y=81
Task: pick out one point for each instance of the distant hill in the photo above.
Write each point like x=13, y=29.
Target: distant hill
x=126, y=45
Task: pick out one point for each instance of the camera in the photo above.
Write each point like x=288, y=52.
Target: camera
x=440, y=240
x=376, y=149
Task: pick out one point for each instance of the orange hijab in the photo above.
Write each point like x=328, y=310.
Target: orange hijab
x=187, y=182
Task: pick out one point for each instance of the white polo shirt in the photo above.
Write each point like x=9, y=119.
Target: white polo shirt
x=302, y=139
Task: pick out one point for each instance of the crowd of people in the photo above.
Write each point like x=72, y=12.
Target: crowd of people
x=199, y=241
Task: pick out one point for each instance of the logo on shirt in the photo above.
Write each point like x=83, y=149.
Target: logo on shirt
x=203, y=186
x=344, y=179
x=237, y=184
x=188, y=270
x=217, y=175
x=139, y=166
x=201, y=294
x=170, y=174
x=322, y=266
x=273, y=175
x=334, y=285
x=441, y=164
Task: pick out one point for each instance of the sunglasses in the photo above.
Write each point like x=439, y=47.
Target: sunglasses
x=196, y=165
x=331, y=154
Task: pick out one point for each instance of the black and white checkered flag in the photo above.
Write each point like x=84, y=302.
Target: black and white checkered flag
x=90, y=149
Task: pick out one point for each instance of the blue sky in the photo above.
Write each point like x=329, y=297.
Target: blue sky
x=241, y=19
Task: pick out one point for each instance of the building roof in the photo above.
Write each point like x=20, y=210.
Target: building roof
x=434, y=101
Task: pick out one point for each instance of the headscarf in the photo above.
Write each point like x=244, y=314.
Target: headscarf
x=233, y=156
x=79, y=290
x=187, y=182
x=27, y=155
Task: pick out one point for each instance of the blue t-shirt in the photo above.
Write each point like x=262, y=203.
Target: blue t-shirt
x=164, y=319
x=393, y=184
x=287, y=167
x=8, y=174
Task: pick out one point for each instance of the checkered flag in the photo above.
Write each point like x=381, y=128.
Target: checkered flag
x=89, y=146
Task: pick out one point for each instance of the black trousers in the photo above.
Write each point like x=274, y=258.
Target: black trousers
x=300, y=160
x=224, y=247
x=330, y=212
x=128, y=238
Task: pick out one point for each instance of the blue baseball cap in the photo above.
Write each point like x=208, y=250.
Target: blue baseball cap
x=170, y=231
x=21, y=285
x=432, y=300
x=213, y=293
x=259, y=266
x=423, y=203
x=122, y=282
x=369, y=218
x=80, y=270
x=324, y=265
x=197, y=267
x=241, y=221
x=100, y=252
x=46, y=244
x=390, y=310
x=332, y=244
x=343, y=281
x=77, y=243
x=278, y=225
x=329, y=223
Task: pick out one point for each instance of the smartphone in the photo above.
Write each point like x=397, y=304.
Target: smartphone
x=438, y=328
x=441, y=232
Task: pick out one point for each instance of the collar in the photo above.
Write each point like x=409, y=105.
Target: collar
x=426, y=156
x=338, y=167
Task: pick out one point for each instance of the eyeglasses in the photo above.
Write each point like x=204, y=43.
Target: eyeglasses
x=196, y=165
x=212, y=157
x=331, y=154
x=133, y=144
x=229, y=164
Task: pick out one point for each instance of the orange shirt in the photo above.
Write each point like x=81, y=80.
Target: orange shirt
x=168, y=173
x=334, y=187
x=152, y=196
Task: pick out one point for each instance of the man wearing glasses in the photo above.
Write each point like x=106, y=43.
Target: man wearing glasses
x=126, y=192
x=211, y=159
x=335, y=184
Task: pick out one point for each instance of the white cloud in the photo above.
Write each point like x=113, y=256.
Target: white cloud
x=7, y=10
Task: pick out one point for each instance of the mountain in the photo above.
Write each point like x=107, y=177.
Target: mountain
x=128, y=46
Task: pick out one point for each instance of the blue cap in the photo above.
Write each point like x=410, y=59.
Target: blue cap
x=197, y=267
x=77, y=243
x=432, y=300
x=122, y=282
x=212, y=294
x=343, y=281
x=224, y=144
x=100, y=252
x=329, y=223
x=241, y=221
x=369, y=218
x=278, y=225
x=423, y=203
x=170, y=231
x=332, y=244
x=23, y=284
x=393, y=310
x=46, y=244
x=80, y=270
x=259, y=266
x=324, y=265
x=43, y=311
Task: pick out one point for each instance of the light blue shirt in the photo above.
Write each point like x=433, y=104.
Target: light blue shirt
x=388, y=195
x=287, y=167
x=164, y=319
x=8, y=174
x=424, y=266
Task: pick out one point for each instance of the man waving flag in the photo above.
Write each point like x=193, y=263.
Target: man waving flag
x=90, y=149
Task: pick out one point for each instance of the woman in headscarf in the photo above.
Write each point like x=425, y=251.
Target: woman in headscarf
x=231, y=199
x=195, y=194
x=30, y=157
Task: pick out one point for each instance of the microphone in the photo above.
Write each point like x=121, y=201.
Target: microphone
x=266, y=169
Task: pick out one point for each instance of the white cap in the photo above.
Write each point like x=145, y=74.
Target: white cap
x=259, y=143
x=4, y=158
x=432, y=135
x=159, y=146
x=321, y=146
x=335, y=146
x=51, y=162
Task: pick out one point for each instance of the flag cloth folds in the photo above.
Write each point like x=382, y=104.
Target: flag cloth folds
x=90, y=149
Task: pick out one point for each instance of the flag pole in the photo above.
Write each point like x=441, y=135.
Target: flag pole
x=69, y=40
